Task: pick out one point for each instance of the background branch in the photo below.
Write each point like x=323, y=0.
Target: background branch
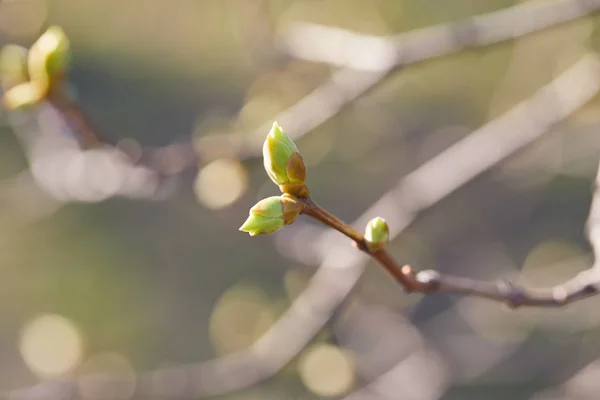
x=367, y=60
x=348, y=49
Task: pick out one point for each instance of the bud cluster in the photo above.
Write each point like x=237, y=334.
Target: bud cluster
x=285, y=167
x=28, y=76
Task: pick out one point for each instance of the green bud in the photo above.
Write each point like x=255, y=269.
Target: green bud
x=377, y=234
x=283, y=162
x=49, y=56
x=13, y=65
x=271, y=214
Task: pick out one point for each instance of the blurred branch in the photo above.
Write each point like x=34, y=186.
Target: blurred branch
x=367, y=60
x=374, y=58
x=77, y=119
x=66, y=168
x=341, y=269
x=164, y=161
x=377, y=57
x=348, y=49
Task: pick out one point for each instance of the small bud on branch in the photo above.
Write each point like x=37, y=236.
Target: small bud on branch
x=271, y=214
x=377, y=234
x=283, y=163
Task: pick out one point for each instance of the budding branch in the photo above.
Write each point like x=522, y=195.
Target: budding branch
x=430, y=281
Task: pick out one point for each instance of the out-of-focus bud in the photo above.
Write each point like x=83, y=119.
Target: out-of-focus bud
x=283, y=163
x=46, y=64
x=13, y=65
x=49, y=56
x=271, y=214
x=24, y=95
x=377, y=234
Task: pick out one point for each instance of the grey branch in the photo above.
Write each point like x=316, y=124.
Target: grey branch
x=583, y=285
x=348, y=49
x=367, y=60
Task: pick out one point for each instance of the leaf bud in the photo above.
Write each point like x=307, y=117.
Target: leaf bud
x=271, y=214
x=49, y=56
x=283, y=163
x=377, y=234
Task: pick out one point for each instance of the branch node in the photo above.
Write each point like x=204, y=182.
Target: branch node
x=513, y=296
x=589, y=289
x=560, y=295
x=429, y=278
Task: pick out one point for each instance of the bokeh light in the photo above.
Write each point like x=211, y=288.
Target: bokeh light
x=51, y=345
x=220, y=183
x=240, y=317
x=327, y=370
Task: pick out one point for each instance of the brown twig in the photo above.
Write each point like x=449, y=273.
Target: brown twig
x=165, y=161
x=88, y=134
x=582, y=286
x=320, y=214
x=402, y=275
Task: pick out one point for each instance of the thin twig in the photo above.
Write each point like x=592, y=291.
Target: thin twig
x=165, y=161
x=88, y=134
x=402, y=275
x=320, y=214
x=430, y=281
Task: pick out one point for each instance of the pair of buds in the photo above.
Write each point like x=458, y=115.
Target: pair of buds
x=29, y=75
x=285, y=167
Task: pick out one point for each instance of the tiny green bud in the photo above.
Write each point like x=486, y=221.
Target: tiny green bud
x=13, y=65
x=377, y=234
x=283, y=162
x=49, y=56
x=271, y=214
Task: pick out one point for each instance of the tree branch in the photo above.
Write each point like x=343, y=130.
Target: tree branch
x=348, y=49
x=429, y=282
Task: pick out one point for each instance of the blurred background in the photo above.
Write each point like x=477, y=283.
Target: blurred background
x=94, y=281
